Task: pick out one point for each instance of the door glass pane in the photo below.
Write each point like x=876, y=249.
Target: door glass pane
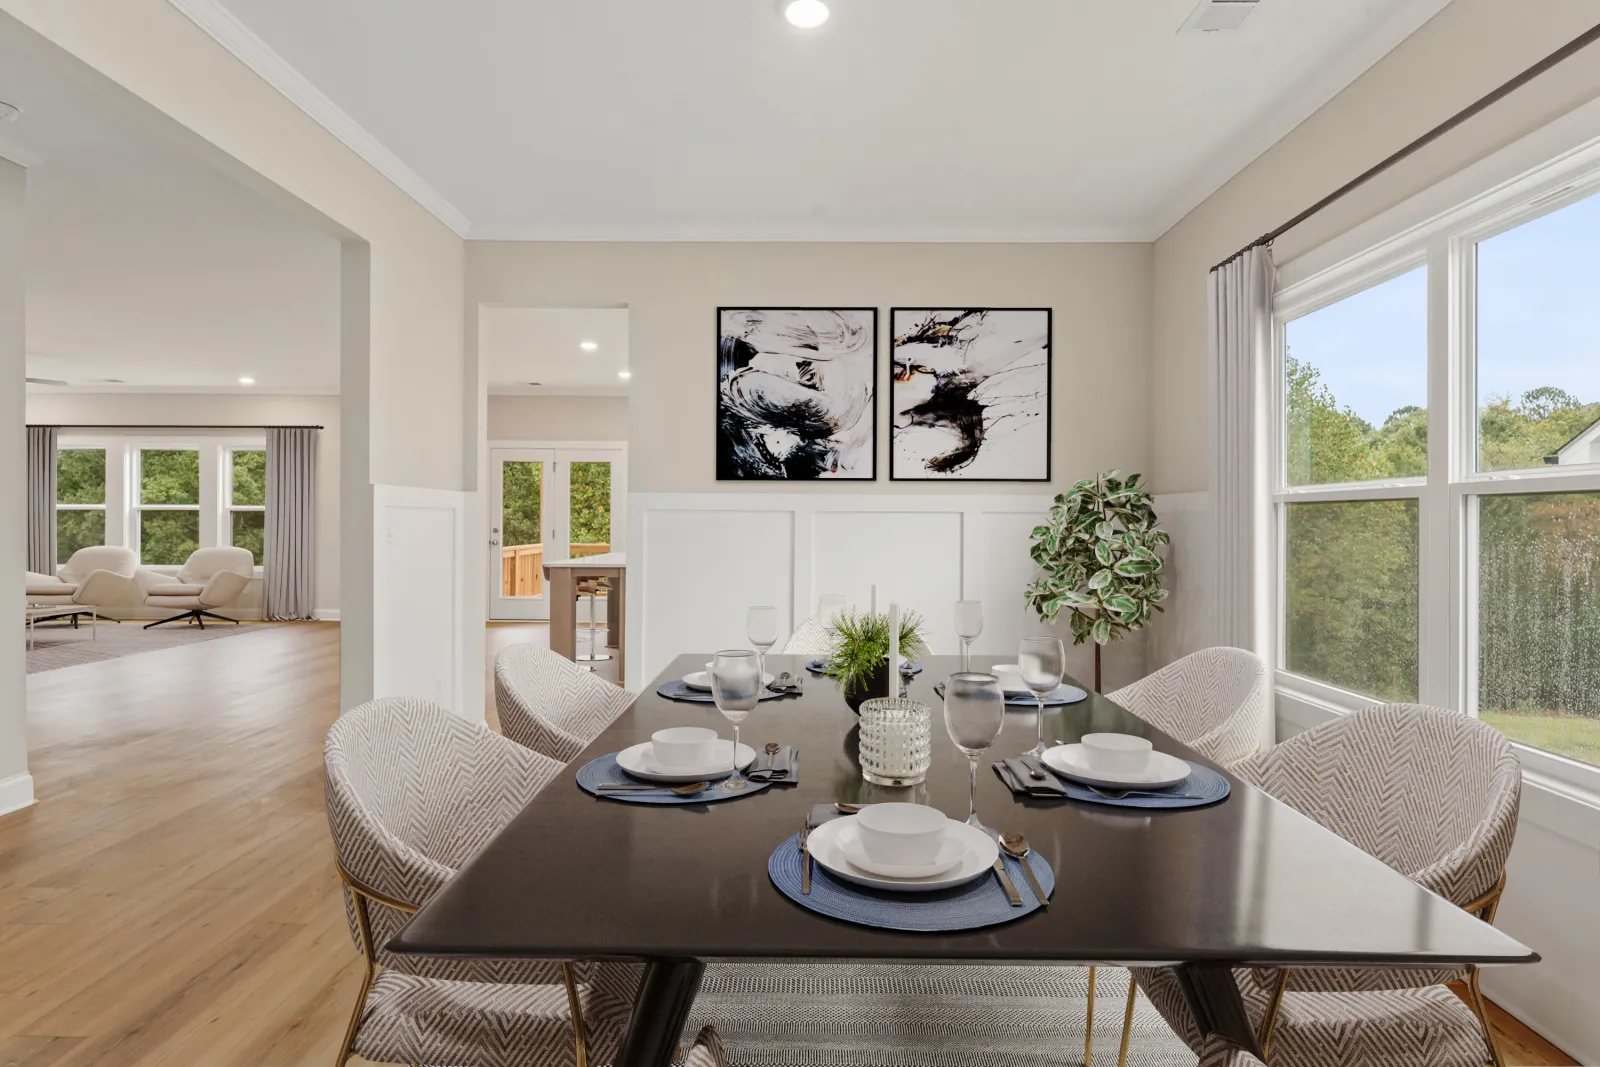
x=521, y=518
x=81, y=476
x=78, y=529
x=249, y=484
x=169, y=476
x=590, y=508
x=1539, y=620
x=1350, y=595
x=250, y=531
x=168, y=537
x=1356, y=386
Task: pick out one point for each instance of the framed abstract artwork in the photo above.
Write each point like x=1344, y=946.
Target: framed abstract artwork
x=969, y=394
x=797, y=393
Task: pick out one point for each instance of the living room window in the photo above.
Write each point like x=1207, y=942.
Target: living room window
x=168, y=509
x=247, y=499
x=80, y=500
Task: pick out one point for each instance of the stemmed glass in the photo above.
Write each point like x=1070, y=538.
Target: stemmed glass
x=736, y=688
x=829, y=605
x=974, y=712
x=761, y=626
x=969, y=624
x=1043, y=661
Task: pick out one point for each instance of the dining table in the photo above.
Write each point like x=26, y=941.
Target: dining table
x=1247, y=882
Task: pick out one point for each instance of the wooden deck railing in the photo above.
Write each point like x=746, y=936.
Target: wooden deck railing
x=522, y=566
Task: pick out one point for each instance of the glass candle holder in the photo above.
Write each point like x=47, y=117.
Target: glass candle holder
x=896, y=741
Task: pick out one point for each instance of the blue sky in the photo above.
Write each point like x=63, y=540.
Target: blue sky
x=1538, y=322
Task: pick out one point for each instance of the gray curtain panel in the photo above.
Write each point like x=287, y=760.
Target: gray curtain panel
x=290, y=569
x=42, y=499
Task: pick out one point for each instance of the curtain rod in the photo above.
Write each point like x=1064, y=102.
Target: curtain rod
x=157, y=426
x=1560, y=55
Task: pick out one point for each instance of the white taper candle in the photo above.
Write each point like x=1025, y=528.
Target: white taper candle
x=894, y=650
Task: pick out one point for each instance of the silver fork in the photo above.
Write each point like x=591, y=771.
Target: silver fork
x=1119, y=794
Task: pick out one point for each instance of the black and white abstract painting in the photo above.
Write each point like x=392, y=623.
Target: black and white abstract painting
x=796, y=392
x=970, y=395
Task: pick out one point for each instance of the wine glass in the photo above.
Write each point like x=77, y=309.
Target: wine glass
x=969, y=624
x=761, y=626
x=736, y=689
x=974, y=712
x=1043, y=661
x=829, y=606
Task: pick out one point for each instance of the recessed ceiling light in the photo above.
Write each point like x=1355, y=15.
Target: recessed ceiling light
x=9, y=112
x=624, y=374
x=807, y=14
x=588, y=346
x=247, y=381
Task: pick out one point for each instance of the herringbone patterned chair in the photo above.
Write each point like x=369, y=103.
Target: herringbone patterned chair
x=810, y=638
x=1216, y=701
x=1432, y=793
x=550, y=704
x=412, y=791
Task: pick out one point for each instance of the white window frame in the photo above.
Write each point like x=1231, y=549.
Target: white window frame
x=229, y=508
x=137, y=506
x=1445, y=239
x=75, y=444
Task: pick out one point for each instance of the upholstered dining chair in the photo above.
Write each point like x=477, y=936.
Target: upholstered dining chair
x=412, y=790
x=551, y=705
x=810, y=638
x=1216, y=701
x=90, y=580
x=1432, y=793
x=210, y=580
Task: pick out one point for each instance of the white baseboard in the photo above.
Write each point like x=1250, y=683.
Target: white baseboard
x=326, y=614
x=16, y=792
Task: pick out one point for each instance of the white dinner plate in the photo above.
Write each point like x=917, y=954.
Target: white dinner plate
x=1162, y=771
x=639, y=762
x=977, y=860
x=701, y=680
x=951, y=849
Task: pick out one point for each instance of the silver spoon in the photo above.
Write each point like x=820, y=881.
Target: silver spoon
x=1016, y=847
x=847, y=809
x=772, y=748
x=630, y=787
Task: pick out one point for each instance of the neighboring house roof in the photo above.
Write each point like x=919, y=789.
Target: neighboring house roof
x=1580, y=449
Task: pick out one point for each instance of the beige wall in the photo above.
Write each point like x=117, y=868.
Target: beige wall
x=164, y=409
x=1469, y=48
x=558, y=418
x=1100, y=293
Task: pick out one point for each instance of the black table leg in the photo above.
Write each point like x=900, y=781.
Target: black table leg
x=660, y=1010
x=1216, y=1005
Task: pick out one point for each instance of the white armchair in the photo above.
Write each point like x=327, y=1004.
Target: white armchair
x=93, y=578
x=210, y=578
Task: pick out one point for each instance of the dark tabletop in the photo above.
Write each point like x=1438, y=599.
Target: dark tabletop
x=1245, y=881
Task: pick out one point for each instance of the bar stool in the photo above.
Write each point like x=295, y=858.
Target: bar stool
x=591, y=588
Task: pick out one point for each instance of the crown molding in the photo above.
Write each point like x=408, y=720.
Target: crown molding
x=181, y=390
x=801, y=234
x=558, y=390
x=1329, y=81
x=226, y=29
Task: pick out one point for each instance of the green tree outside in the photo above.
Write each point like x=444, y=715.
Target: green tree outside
x=168, y=476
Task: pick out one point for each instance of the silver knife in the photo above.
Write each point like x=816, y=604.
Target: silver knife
x=805, y=859
x=1005, y=882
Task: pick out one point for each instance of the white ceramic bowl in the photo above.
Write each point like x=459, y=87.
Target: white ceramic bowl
x=901, y=835
x=1117, y=753
x=684, y=746
x=1010, y=675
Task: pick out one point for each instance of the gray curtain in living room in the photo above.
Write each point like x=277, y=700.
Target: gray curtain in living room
x=42, y=499
x=290, y=568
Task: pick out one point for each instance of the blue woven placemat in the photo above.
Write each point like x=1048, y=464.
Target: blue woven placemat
x=973, y=906
x=1064, y=694
x=677, y=690
x=914, y=667
x=607, y=769
x=1202, y=782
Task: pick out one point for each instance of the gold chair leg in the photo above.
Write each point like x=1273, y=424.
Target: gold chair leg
x=1127, y=1022
x=1481, y=1010
x=364, y=931
x=1270, y=1020
x=1088, y=1025
x=580, y=1047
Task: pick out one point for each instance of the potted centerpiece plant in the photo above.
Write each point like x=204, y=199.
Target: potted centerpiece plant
x=858, y=654
x=1097, y=554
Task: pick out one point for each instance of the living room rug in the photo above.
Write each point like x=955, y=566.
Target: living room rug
x=57, y=644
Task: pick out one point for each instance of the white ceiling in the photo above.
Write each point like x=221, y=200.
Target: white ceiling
x=539, y=350
x=899, y=119
x=146, y=265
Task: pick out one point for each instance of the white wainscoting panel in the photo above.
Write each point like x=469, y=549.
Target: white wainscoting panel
x=697, y=561
x=419, y=591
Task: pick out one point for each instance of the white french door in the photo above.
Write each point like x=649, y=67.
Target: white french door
x=548, y=504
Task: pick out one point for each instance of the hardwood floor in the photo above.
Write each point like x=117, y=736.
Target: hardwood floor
x=171, y=899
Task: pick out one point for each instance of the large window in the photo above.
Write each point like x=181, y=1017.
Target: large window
x=1453, y=560
x=247, y=498
x=80, y=500
x=169, y=505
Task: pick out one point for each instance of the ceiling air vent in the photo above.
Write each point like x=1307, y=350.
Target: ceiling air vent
x=1215, y=16
x=45, y=381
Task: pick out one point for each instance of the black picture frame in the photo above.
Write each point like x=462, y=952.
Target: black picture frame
x=725, y=471
x=1049, y=401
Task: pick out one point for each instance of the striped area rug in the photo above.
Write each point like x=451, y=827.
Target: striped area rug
x=870, y=1015
x=57, y=645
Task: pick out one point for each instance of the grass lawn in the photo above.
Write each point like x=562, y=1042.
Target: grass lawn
x=1566, y=735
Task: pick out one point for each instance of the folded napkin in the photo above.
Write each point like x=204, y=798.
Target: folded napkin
x=782, y=767
x=786, y=682
x=821, y=813
x=1027, y=776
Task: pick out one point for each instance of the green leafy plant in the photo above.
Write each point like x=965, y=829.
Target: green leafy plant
x=860, y=644
x=1099, y=562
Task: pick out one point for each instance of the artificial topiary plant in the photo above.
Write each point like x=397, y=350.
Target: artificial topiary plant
x=858, y=650
x=1098, y=554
